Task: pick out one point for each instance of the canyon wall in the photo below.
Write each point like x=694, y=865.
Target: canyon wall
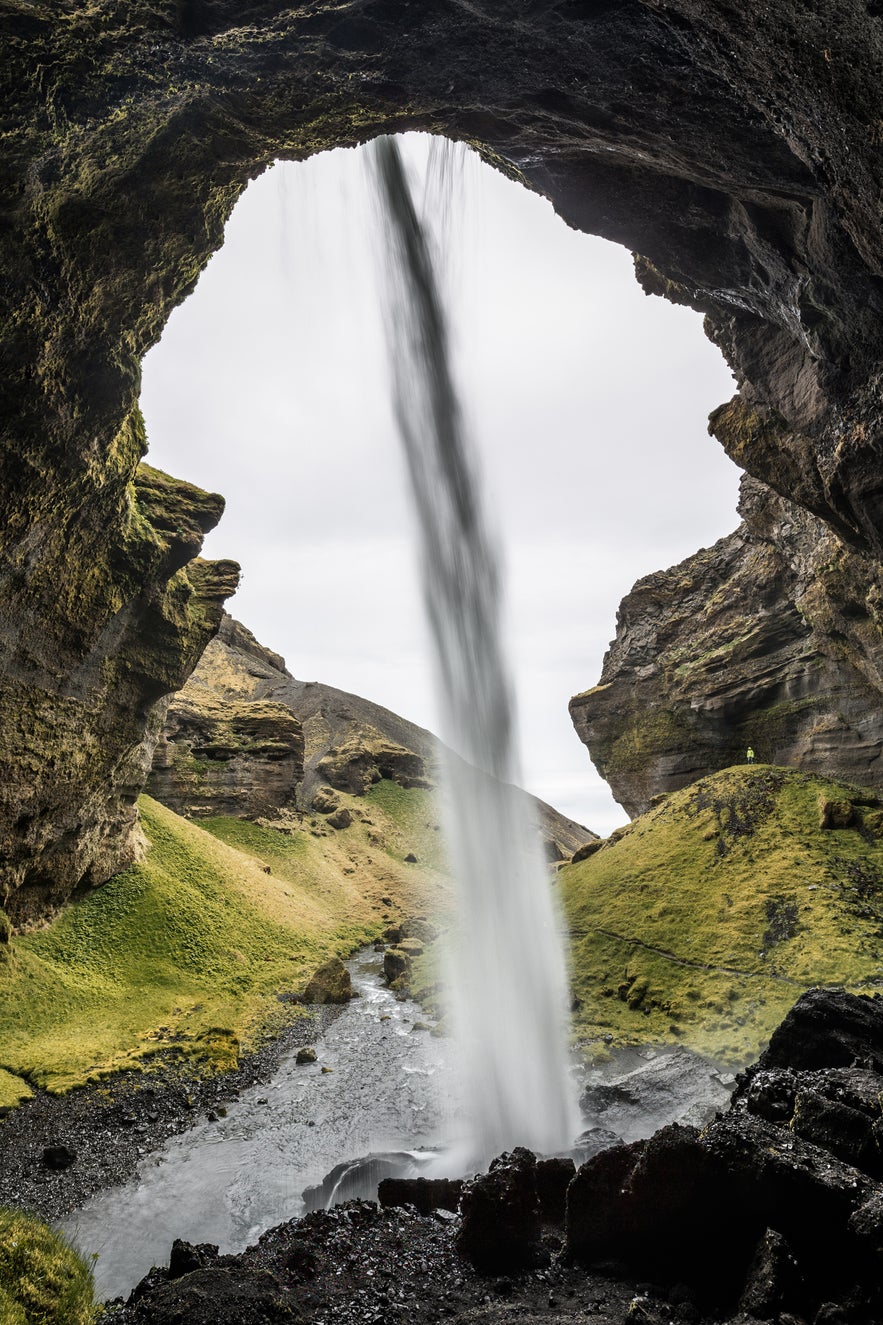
x=769, y=639
x=740, y=158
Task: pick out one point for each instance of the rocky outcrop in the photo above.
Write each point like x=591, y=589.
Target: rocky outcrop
x=741, y=159
x=87, y=666
x=245, y=738
x=770, y=639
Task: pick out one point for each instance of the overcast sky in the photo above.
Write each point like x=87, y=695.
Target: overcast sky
x=587, y=400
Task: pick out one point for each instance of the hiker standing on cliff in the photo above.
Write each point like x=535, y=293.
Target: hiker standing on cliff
x=750, y=755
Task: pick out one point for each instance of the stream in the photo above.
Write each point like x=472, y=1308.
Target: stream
x=229, y=1180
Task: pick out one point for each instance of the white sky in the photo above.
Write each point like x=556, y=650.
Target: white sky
x=588, y=402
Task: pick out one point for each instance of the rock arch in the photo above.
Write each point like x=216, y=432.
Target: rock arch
x=739, y=157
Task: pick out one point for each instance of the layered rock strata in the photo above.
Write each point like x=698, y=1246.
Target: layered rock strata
x=105, y=627
x=741, y=159
x=770, y=639
x=245, y=738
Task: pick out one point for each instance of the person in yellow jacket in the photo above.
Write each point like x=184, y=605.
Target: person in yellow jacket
x=750, y=755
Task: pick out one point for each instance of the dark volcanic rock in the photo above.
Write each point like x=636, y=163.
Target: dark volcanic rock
x=740, y=158
x=424, y=1194
x=500, y=1228
x=769, y=639
x=828, y=1028
x=216, y=1294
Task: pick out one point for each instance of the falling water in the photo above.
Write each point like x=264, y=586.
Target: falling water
x=509, y=973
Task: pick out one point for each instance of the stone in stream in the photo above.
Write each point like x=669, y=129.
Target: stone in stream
x=305, y=1055
x=396, y=965
x=331, y=983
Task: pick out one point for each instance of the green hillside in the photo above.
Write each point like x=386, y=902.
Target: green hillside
x=185, y=953
x=701, y=922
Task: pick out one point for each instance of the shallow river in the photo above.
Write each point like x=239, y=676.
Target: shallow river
x=390, y=1088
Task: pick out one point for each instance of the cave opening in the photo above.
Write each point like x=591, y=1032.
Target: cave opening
x=588, y=399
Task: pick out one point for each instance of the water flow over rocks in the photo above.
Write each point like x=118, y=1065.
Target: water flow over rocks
x=509, y=977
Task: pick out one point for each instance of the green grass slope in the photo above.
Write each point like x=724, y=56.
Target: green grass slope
x=185, y=953
x=701, y=922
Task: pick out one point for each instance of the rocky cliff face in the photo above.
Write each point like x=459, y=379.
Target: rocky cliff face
x=769, y=639
x=104, y=629
x=245, y=738
x=741, y=159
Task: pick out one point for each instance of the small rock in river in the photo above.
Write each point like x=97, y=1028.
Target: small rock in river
x=326, y=1070
x=306, y=1055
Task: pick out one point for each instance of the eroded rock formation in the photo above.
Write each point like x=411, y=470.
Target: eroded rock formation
x=244, y=737
x=740, y=158
x=770, y=639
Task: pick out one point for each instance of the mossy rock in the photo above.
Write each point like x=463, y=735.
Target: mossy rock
x=331, y=983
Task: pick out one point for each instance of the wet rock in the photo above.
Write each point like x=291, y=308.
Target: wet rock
x=846, y=1132
x=329, y=984
x=413, y=947
x=424, y=1194
x=418, y=927
x=410, y=859
x=500, y=1231
x=828, y=1028
x=553, y=1177
x=396, y=965
x=211, y=1295
x=185, y=1257
x=58, y=1158
x=305, y=1055
x=774, y=1279
x=636, y=1092
x=658, y=1206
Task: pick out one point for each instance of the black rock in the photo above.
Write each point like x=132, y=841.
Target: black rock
x=184, y=1257
x=500, y=1226
x=424, y=1194
x=58, y=1158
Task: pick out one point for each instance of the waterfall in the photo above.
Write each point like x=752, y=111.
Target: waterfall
x=509, y=978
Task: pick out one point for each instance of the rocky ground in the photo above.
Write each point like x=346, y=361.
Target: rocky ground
x=774, y=1212
x=58, y=1150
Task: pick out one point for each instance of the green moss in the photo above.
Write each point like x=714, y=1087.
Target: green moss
x=184, y=955
x=42, y=1279
x=414, y=816
x=647, y=732
x=711, y=913
x=12, y=1090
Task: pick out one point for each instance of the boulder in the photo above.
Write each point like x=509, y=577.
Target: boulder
x=325, y=801
x=553, y=1177
x=305, y=1055
x=396, y=965
x=331, y=983
x=424, y=1194
x=341, y=818
x=500, y=1231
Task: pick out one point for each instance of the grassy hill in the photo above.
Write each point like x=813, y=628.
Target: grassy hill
x=185, y=953
x=702, y=921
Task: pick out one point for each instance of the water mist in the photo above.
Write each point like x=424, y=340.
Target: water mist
x=509, y=980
